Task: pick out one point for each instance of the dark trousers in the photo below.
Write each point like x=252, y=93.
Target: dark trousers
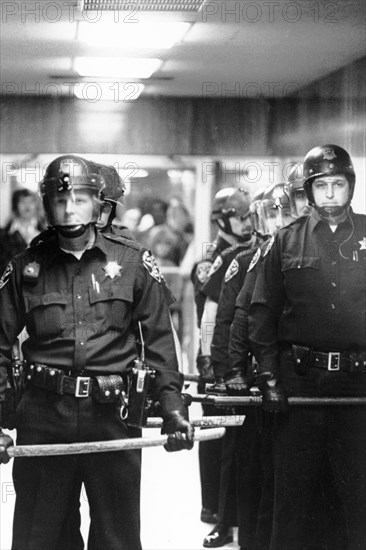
x=45, y=487
x=305, y=440
x=209, y=453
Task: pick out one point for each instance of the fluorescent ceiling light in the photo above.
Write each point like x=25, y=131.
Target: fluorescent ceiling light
x=132, y=35
x=121, y=67
x=108, y=91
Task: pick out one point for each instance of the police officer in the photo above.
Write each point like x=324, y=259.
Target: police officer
x=236, y=224
x=84, y=298
x=307, y=324
x=252, y=444
x=210, y=451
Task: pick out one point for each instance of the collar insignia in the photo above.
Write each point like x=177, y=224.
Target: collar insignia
x=362, y=244
x=112, y=270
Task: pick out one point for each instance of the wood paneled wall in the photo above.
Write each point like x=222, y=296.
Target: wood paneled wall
x=330, y=110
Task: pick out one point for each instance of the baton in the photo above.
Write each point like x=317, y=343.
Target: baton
x=104, y=446
x=205, y=422
x=253, y=400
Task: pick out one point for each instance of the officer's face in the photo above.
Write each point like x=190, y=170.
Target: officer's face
x=241, y=225
x=330, y=192
x=301, y=203
x=72, y=208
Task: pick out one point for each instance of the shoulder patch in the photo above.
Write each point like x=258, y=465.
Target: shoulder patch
x=232, y=270
x=215, y=266
x=202, y=270
x=269, y=246
x=255, y=259
x=6, y=275
x=152, y=267
x=123, y=240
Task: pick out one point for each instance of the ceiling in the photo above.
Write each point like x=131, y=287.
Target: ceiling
x=240, y=48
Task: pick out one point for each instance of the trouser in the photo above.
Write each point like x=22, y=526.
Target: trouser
x=253, y=459
x=305, y=440
x=45, y=486
x=227, y=515
x=209, y=453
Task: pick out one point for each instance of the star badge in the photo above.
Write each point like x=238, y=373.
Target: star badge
x=363, y=244
x=112, y=270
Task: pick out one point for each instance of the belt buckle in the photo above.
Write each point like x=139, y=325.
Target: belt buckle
x=334, y=359
x=82, y=386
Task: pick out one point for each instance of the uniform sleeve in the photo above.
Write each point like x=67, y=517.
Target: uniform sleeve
x=11, y=319
x=151, y=309
x=265, y=309
x=224, y=318
x=239, y=345
x=212, y=287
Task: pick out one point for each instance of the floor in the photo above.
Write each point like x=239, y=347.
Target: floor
x=170, y=507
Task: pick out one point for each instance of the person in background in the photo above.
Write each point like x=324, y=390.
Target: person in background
x=84, y=319
x=307, y=327
x=22, y=228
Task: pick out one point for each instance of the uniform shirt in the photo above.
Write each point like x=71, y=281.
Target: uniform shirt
x=233, y=282
x=200, y=273
x=239, y=345
x=82, y=315
x=311, y=289
x=212, y=287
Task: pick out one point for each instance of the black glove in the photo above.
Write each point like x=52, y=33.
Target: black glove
x=274, y=398
x=5, y=442
x=205, y=368
x=180, y=432
x=236, y=382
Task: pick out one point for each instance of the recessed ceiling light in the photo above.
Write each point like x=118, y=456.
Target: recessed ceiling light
x=121, y=67
x=153, y=35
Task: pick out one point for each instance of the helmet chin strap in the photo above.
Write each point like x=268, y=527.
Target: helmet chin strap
x=75, y=237
x=328, y=213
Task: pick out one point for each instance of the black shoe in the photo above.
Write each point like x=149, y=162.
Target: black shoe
x=207, y=516
x=219, y=536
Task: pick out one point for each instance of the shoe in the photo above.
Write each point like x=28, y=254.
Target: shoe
x=207, y=516
x=219, y=536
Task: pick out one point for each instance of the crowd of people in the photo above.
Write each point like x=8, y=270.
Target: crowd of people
x=281, y=309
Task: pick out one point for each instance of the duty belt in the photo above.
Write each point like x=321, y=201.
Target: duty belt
x=102, y=388
x=333, y=361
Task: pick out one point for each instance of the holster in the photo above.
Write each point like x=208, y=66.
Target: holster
x=302, y=358
x=15, y=386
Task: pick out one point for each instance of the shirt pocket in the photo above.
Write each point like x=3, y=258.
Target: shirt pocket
x=301, y=276
x=45, y=314
x=111, y=306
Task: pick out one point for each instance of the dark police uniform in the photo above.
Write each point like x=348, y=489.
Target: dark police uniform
x=226, y=472
x=254, y=444
x=307, y=324
x=82, y=319
x=209, y=451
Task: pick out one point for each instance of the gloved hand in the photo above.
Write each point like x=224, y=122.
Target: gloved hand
x=236, y=382
x=5, y=442
x=205, y=368
x=274, y=398
x=180, y=432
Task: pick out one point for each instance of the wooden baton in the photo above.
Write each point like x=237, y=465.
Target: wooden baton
x=104, y=446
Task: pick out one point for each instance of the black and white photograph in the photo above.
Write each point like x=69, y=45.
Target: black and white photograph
x=183, y=275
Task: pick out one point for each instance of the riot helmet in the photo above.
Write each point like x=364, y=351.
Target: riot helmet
x=275, y=208
x=112, y=194
x=67, y=174
x=231, y=203
x=328, y=160
x=295, y=185
x=255, y=213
